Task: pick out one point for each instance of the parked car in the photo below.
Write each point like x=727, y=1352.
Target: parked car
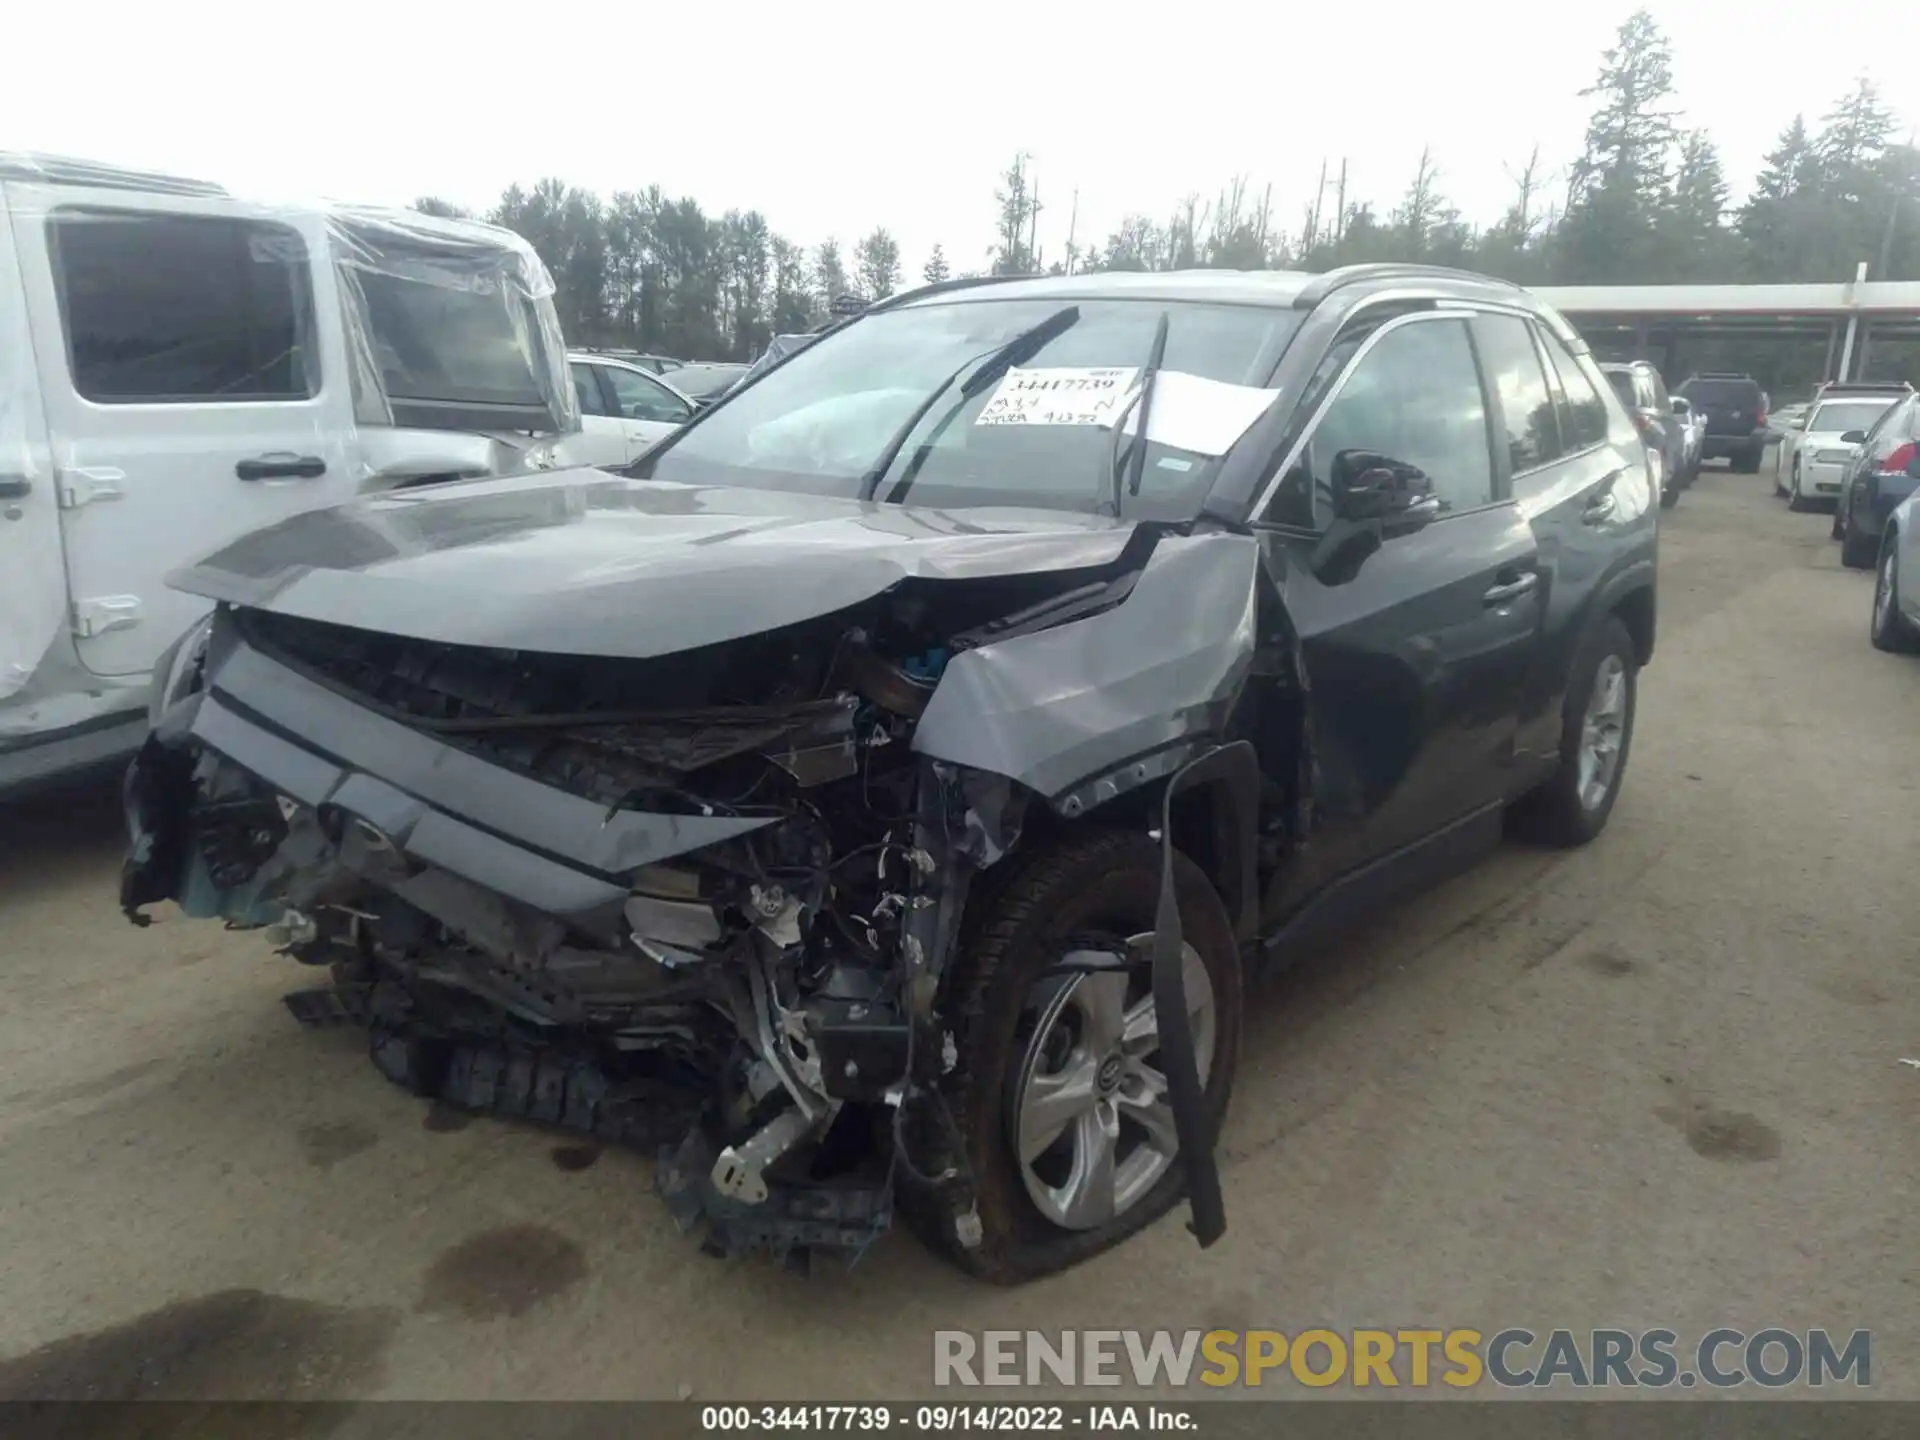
x=1883, y=471
x=623, y=409
x=704, y=382
x=1736, y=411
x=1896, y=590
x=1661, y=427
x=178, y=367
x=1813, y=456
x=884, y=789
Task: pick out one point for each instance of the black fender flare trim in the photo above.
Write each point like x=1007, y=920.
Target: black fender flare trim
x=1235, y=768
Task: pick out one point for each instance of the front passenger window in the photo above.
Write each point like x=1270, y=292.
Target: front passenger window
x=1414, y=397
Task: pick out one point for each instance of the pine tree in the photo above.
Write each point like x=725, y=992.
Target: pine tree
x=1620, y=182
x=936, y=268
x=1013, y=252
x=876, y=262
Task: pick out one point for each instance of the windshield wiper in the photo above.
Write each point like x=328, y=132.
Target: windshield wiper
x=992, y=366
x=1137, y=456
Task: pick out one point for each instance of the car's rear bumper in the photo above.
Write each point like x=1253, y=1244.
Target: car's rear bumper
x=1875, y=498
x=1718, y=447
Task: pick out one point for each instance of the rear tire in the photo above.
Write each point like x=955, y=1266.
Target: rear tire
x=1747, y=462
x=1669, y=497
x=1569, y=810
x=1889, y=629
x=1103, y=883
x=1858, y=552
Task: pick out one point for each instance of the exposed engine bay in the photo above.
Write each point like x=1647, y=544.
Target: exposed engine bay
x=732, y=959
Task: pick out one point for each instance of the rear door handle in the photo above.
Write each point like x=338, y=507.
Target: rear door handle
x=282, y=466
x=15, y=487
x=1513, y=589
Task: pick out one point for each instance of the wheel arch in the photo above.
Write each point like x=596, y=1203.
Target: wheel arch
x=1632, y=600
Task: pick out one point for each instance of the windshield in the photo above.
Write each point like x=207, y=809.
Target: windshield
x=1839, y=416
x=819, y=422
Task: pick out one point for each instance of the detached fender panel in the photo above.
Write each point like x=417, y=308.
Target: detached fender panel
x=1050, y=709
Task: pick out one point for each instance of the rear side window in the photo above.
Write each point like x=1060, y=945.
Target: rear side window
x=1585, y=420
x=182, y=309
x=1513, y=367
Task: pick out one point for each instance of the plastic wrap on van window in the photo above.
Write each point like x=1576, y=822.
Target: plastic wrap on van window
x=506, y=301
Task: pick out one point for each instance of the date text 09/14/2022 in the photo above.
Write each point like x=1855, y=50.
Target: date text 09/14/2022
x=945, y=1419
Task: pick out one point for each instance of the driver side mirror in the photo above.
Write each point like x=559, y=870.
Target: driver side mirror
x=1368, y=486
x=1853, y=437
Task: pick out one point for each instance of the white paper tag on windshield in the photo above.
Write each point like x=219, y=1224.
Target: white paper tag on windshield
x=1207, y=417
x=1060, y=395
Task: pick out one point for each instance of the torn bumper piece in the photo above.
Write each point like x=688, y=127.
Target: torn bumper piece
x=502, y=976
x=844, y=1217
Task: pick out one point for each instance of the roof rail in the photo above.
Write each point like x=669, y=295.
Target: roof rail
x=1870, y=387
x=59, y=170
x=1324, y=284
x=1721, y=375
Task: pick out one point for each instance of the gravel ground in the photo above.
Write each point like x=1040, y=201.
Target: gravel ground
x=1651, y=1083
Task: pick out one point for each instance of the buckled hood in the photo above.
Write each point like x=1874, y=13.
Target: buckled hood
x=586, y=563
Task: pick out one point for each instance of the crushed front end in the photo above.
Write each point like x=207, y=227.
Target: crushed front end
x=692, y=904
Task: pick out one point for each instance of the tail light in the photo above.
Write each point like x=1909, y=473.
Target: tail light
x=1643, y=422
x=1896, y=463
x=1763, y=414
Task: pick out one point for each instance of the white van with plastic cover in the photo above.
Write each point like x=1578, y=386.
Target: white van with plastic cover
x=179, y=367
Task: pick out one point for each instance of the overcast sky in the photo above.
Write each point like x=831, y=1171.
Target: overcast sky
x=838, y=115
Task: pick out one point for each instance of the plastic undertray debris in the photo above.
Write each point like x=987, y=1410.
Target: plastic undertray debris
x=842, y=1216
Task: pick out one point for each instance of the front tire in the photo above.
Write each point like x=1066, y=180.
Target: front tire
x=1596, y=735
x=1890, y=629
x=1796, y=501
x=1026, y=1038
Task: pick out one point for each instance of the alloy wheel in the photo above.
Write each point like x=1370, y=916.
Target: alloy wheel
x=1091, y=1122
x=1602, y=730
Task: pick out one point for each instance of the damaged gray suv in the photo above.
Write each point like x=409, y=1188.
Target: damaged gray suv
x=880, y=798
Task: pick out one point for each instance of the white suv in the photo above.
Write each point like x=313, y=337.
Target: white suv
x=179, y=367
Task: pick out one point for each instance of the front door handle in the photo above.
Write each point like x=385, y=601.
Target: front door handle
x=1599, y=509
x=15, y=487
x=282, y=466
x=1513, y=589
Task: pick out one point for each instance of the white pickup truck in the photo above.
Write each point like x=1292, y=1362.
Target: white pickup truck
x=179, y=367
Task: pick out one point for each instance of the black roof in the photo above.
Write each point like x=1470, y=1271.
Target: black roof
x=1297, y=289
